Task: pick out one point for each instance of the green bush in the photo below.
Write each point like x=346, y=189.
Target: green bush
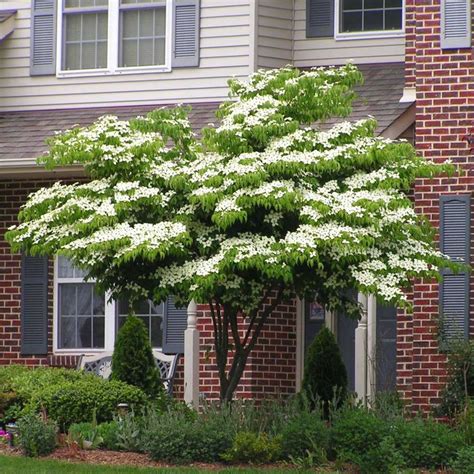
x=178, y=438
x=305, y=432
x=133, y=361
x=464, y=461
x=37, y=437
x=108, y=432
x=384, y=458
x=425, y=443
x=253, y=448
x=355, y=432
x=85, y=432
x=324, y=372
x=77, y=402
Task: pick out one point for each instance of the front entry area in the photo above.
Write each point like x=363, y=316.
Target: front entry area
x=382, y=331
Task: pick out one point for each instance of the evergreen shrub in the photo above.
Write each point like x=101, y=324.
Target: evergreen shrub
x=133, y=361
x=325, y=375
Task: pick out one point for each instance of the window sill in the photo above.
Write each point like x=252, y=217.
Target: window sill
x=116, y=72
x=365, y=35
x=77, y=352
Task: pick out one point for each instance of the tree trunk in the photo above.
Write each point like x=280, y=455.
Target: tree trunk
x=225, y=320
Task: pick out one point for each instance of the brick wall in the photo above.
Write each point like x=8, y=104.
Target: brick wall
x=271, y=367
x=444, y=82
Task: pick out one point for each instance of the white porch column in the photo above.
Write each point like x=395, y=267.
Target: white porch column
x=361, y=352
x=191, y=358
x=371, y=347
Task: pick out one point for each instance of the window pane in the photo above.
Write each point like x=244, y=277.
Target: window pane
x=143, y=307
x=352, y=21
x=88, y=56
x=145, y=56
x=84, y=332
x=352, y=4
x=67, y=336
x=130, y=24
x=160, y=51
x=123, y=306
x=129, y=53
x=102, y=54
x=393, y=20
x=156, y=331
x=157, y=308
x=393, y=3
x=73, y=27
x=160, y=22
x=121, y=322
x=65, y=268
x=84, y=299
x=373, y=20
x=98, y=332
x=67, y=300
x=89, y=27
x=146, y=23
x=371, y=4
x=99, y=304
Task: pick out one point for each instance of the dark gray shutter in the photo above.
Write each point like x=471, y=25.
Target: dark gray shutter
x=455, y=24
x=455, y=242
x=43, y=37
x=34, y=305
x=173, y=328
x=319, y=18
x=186, y=33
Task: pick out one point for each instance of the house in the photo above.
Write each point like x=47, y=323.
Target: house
x=67, y=62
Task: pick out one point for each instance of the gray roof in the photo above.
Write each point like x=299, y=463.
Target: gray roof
x=380, y=94
x=22, y=134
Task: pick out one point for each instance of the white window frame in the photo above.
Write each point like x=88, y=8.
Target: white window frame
x=113, y=41
x=364, y=34
x=109, y=315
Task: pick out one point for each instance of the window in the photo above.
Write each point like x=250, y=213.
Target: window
x=368, y=16
x=85, y=34
x=86, y=320
x=150, y=314
x=113, y=36
x=81, y=311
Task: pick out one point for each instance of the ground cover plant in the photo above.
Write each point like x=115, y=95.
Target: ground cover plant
x=264, y=206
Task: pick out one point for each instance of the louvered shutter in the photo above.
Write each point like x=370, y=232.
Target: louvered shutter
x=455, y=24
x=43, y=46
x=34, y=305
x=173, y=329
x=319, y=18
x=186, y=33
x=454, y=289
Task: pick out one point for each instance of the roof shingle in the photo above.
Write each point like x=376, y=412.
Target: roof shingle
x=23, y=134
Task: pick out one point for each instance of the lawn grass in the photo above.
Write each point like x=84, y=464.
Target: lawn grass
x=16, y=464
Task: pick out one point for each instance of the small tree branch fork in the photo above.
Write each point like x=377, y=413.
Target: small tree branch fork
x=225, y=319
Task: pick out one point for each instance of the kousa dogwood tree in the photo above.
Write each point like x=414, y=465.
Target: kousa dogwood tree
x=264, y=208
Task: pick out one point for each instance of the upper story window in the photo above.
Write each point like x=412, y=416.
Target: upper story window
x=113, y=36
x=370, y=15
x=354, y=19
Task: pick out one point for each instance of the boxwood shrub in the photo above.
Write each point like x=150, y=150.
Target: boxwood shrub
x=68, y=396
x=76, y=402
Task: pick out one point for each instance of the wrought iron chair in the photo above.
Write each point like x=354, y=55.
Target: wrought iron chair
x=101, y=364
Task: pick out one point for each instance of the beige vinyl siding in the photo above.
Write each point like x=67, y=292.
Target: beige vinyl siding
x=224, y=52
x=274, y=33
x=328, y=51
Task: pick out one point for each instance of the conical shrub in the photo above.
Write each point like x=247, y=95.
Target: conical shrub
x=324, y=373
x=133, y=360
